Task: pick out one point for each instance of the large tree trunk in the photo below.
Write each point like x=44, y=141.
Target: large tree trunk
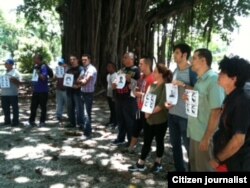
x=106, y=29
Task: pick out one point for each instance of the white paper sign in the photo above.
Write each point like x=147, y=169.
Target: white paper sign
x=120, y=81
x=192, y=102
x=68, y=80
x=59, y=72
x=149, y=103
x=4, y=81
x=171, y=93
x=133, y=84
x=34, y=76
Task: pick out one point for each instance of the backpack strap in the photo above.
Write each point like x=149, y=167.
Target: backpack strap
x=192, y=77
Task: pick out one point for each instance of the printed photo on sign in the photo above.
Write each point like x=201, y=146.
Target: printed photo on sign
x=133, y=84
x=149, y=103
x=120, y=81
x=59, y=72
x=192, y=102
x=4, y=82
x=171, y=93
x=68, y=80
x=34, y=76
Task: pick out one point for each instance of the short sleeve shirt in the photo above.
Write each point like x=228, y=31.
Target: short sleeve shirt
x=211, y=96
x=234, y=119
x=13, y=89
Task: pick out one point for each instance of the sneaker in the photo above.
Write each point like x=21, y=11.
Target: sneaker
x=156, y=168
x=137, y=168
x=117, y=142
x=84, y=137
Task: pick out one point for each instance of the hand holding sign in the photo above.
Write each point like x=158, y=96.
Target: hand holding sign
x=120, y=81
x=59, y=72
x=171, y=93
x=68, y=80
x=4, y=82
x=192, y=102
x=149, y=103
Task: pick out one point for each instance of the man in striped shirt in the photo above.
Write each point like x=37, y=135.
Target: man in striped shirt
x=87, y=79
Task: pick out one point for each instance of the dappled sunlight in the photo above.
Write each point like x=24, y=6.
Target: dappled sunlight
x=5, y=132
x=57, y=185
x=44, y=129
x=32, y=140
x=54, y=156
x=22, y=179
x=71, y=151
x=28, y=152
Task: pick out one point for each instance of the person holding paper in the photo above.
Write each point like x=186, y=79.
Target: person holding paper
x=126, y=104
x=201, y=128
x=232, y=139
x=143, y=83
x=61, y=96
x=9, y=95
x=74, y=101
x=40, y=91
x=156, y=123
x=184, y=78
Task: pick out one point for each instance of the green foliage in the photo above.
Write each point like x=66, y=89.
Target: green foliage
x=42, y=21
x=27, y=48
x=8, y=40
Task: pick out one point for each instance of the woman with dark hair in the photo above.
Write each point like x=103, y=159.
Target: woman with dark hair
x=232, y=139
x=156, y=122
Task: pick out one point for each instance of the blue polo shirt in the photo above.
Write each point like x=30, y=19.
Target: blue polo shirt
x=41, y=86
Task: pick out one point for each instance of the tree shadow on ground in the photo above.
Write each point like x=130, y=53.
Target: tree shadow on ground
x=55, y=156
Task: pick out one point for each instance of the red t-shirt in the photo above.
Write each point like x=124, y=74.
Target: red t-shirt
x=143, y=84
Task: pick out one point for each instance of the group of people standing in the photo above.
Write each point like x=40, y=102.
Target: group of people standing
x=77, y=99
x=218, y=136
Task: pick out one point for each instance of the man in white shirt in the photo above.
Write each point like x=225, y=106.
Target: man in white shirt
x=9, y=93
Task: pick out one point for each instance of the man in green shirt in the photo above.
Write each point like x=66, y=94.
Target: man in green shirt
x=201, y=128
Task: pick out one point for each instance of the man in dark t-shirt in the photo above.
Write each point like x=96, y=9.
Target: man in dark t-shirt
x=232, y=140
x=126, y=105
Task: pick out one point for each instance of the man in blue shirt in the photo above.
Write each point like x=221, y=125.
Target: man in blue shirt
x=40, y=91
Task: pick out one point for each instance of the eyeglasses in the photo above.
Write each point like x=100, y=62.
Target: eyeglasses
x=72, y=59
x=84, y=59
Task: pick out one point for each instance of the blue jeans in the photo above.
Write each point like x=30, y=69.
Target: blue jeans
x=87, y=99
x=61, y=99
x=178, y=134
x=7, y=102
x=75, y=108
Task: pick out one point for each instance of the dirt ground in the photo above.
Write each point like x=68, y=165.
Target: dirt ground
x=56, y=157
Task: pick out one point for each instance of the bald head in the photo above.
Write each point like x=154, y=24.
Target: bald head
x=128, y=59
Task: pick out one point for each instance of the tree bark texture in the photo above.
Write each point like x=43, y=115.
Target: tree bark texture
x=106, y=29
